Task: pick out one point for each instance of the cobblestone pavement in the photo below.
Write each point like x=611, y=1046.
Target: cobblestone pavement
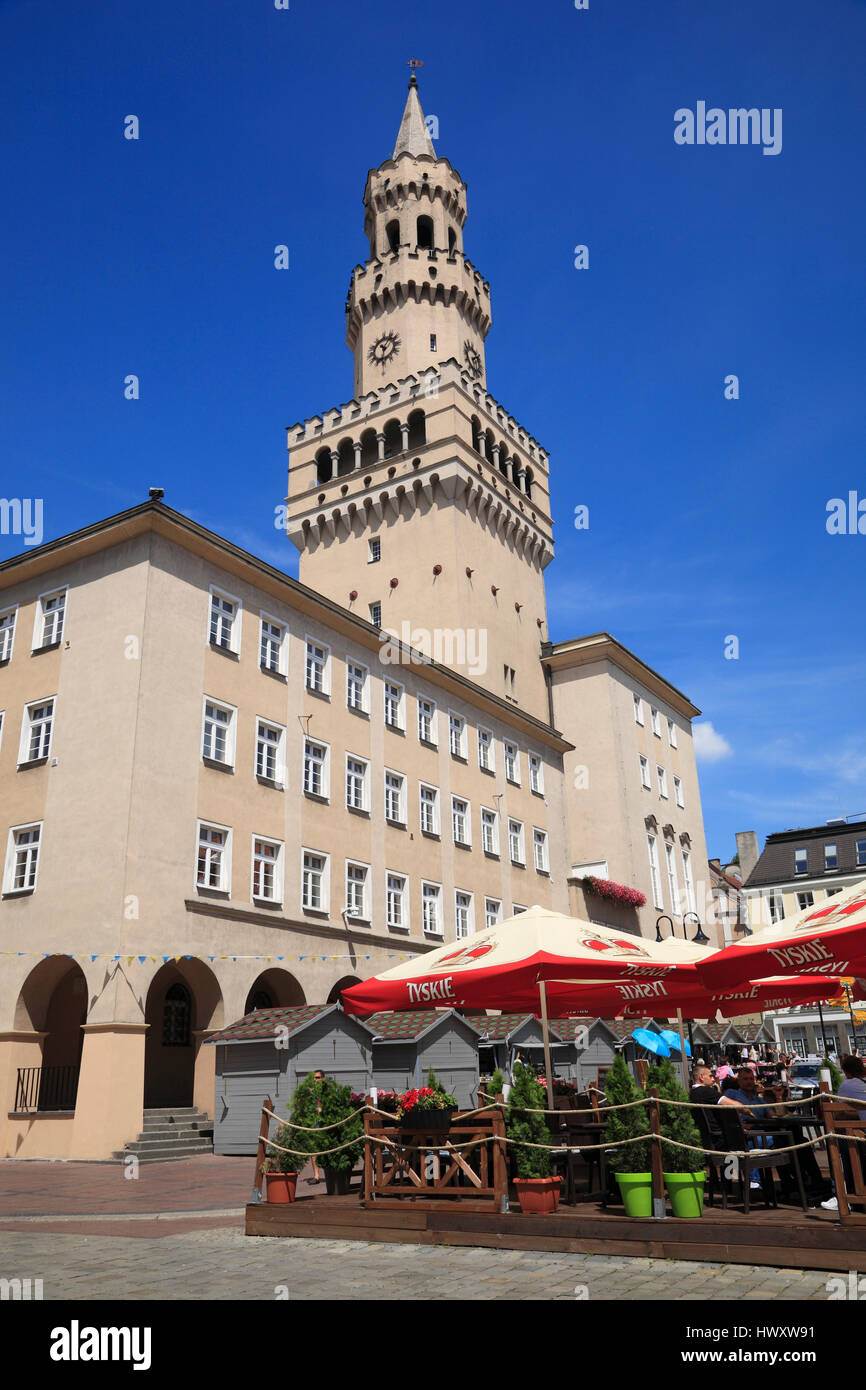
x=226, y=1264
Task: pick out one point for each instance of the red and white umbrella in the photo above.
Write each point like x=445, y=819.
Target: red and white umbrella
x=828, y=938
x=662, y=999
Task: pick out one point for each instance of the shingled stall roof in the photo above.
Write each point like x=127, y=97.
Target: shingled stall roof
x=407, y=1027
x=776, y=864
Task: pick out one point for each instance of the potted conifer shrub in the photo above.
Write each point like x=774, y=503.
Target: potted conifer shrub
x=631, y=1162
x=682, y=1169
x=525, y=1124
x=317, y=1104
x=281, y=1169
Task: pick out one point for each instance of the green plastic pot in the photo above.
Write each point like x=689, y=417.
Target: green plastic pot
x=636, y=1190
x=686, y=1191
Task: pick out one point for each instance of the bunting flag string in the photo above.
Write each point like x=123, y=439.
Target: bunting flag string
x=235, y=959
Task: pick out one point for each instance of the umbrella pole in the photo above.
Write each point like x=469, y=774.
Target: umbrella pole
x=545, y=1033
x=682, y=1048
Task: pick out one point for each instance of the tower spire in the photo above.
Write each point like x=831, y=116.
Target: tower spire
x=413, y=137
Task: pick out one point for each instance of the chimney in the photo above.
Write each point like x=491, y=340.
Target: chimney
x=747, y=849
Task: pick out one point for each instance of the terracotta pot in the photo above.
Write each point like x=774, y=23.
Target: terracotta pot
x=538, y=1196
x=280, y=1187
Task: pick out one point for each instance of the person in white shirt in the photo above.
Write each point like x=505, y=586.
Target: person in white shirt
x=853, y=1088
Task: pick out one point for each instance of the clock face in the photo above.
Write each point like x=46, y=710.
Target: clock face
x=472, y=358
x=386, y=347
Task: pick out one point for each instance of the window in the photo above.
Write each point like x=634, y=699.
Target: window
x=432, y=342
x=516, y=909
x=673, y=885
x=830, y=858
x=672, y=733
x=515, y=842
x=638, y=710
x=36, y=731
x=429, y=802
x=272, y=645
x=457, y=735
x=314, y=881
x=774, y=906
x=396, y=901
x=426, y=720
x=492, y=912
x=218, y=733
x=536, y=774
x=831, y=892
x=512, y=763
x=644, y=773
x=50, y=617
x=654, y=715
x=395, y=797
x=800, y=864
x=393, y=705
x=356, y=686
x=22, y=858
x=270, y=751
x=225, y=622
x=212, y=868
x=678, y=792
x=860, y=848
x=267, y=871
x=805, y=900
x=663, y=782
x=464, y=913
x=539, y=846
x=7, y=632
x=655, y=876
x=317, y=673
x=176, y=1017
x=357, y=879
x=374, y=551
x=485, y=750
x=489, y=831
x=460, y=821
x=689, y=881
x=316, y=769
x=357, y=783
x=431, y=908
x=375, y=610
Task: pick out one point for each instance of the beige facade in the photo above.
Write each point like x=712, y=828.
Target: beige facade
x=223, y=789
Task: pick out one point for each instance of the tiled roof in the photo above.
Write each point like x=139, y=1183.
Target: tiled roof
x=262, y=1023
x=776, y=863
x=497, y=1027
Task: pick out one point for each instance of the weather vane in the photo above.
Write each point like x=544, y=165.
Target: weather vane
x=414, y=63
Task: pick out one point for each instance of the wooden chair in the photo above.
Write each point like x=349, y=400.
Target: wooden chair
x=736, y=1136
x=844, y=1120
x=712, y=1138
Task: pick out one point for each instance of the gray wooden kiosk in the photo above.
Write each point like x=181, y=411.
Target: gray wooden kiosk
x=506, y=1038
x=407, y=1045
x=269, y=1052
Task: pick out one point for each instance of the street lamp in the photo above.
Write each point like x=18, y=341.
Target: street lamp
x=699, y=936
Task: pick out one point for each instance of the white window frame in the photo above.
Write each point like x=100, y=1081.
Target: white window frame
x=40, y=616
x=678, y=792
x=325, y=764
x=433, y=717
x=536, y=773
x=32, y=861
x=282, y=645
x=773, y=904
x=276, y=898
x=688, y=880
x=655, y=871
x=672, y=732
x=801, y=850
x=860, y=853
x=325, y=882
x=438, y=928
x=645, y=779
x=520, y=858
x=224, y=885
x=279, y=777
x=400, y=818
x=374, y=545
x=352, y=667
x=374, y=613
x=325, y=690
x=467, y=821
x=656, y=723
x=231, y=729
x=488, y=742
x=517, y=908
x=506, y=746
x=493, y=848
x=470, y=913
x=673, y=881
x=540, y=842
x=457, y=746
x=234, y=642
x=364, y=780
x=437, y=819
x=28, y=725
x=638, y=710
x=662, y=777
x=366, y=906
x=405, y=919
x=400, y=725
x=7, y=633
x=801, y=905
x=834, y=846
x=491, y=919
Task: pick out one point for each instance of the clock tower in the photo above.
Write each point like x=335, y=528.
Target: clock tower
x=422, y=504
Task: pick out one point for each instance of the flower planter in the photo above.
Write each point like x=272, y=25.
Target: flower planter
x=434, y=1120
x=686, y=1191
x=337, y=1181
x=538, y=1196
x=280, y=1187
x=636, y=1190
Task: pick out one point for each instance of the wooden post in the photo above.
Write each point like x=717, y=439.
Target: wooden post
x=261, y=1154
x=545, y=1033
x=659, y=1208
x=836, y=1171
x=368, y=1160
x=641, y=1067
x=500, y=1161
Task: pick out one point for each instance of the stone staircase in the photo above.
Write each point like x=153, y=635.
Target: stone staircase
x=171, y=1133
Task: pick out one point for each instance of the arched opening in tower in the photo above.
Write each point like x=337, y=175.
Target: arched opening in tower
x=425, y=233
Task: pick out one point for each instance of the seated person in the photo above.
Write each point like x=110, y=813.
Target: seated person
x=853, y=1089
x=744, y=1092
x=704, y=1091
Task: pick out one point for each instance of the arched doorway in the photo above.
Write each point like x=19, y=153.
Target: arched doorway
x=345, y=983
x=53, y=1000
x=183, y=1001
x=274, y=989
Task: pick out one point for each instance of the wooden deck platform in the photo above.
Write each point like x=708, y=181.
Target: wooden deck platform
x=784, y=1237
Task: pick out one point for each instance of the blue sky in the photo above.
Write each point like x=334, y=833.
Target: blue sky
x=707, y=516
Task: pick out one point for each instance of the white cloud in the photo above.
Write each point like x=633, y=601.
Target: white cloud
x=710, y=746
